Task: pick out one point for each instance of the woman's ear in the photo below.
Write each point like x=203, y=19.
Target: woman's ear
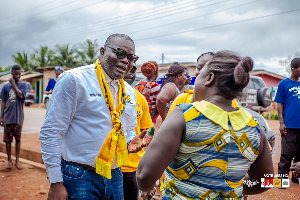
x=209, y=79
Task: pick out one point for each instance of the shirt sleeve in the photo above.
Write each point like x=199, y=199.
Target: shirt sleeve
x=23, y=89
x=3, y=94
x=50, y=85
x=145, y=121
x=59, y=115
x=280, y=93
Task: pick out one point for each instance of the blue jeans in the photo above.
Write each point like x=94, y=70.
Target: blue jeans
x=85, y=184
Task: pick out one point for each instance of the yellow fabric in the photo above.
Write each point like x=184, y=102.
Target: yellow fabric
x=144, y=121
x=221, y=164
x=186, y=97
x=235, y=184
x=115, y=142
x=191, y=114
x=238, y=119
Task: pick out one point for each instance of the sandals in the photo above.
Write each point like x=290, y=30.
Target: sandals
x=18, y=165
x=9, y=165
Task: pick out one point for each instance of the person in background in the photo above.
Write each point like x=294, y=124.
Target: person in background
x=144, y=122
x=187, y=95
x=52, y=81
x=295, y=168
x=175, y=80
x=288, y=108
x=12, y=114
x=90, y=126
x=149, y=87
x=207, y=147
x=202, y=60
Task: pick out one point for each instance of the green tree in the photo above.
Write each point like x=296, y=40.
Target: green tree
x=4, y=69
x=66, y=56
x=286, y=62
x=43, y=57
x=88, y=51
x=22, y=60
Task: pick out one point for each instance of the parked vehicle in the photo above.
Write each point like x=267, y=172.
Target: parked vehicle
x=30, y=93
x=256, y=96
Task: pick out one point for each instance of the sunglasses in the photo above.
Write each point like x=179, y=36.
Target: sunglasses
x=121, y=54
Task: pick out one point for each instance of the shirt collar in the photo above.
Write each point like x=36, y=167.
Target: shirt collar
x=109, y=80
x=238, y=119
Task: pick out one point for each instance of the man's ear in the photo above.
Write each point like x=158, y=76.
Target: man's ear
x=102, y=49
x=209, y=79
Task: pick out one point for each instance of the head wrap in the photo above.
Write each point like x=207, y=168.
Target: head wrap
x=149, y=69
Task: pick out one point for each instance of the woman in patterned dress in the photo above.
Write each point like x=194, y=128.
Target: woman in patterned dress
x=207, y=147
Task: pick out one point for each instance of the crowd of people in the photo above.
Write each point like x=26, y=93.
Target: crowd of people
x=110, y=139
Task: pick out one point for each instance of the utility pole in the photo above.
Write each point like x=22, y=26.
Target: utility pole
x=162, y=58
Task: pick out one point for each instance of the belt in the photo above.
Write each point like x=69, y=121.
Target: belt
x=82, y=165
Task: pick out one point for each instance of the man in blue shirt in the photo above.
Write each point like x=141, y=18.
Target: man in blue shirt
x=12, y=114
x=52, y=81
x=288, y=107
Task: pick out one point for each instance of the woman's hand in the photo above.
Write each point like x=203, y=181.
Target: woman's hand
x=148, y=195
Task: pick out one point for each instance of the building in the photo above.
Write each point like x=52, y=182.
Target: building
x=271, y=79
x=36, y=80
x=163, y=68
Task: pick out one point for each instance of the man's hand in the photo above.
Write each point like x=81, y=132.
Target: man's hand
x=296, y=169
x=12, y=81
x=57, y=191
x=136, y=144
x=282, y=129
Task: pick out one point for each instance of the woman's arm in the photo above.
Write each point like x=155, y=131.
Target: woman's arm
x=261, y=166
x=166, y=94
x=161, y=151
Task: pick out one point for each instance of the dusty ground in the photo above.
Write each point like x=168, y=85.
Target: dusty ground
x=31, y=183
x=27, y=184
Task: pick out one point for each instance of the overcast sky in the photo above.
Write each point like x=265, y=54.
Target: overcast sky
x=266, y=30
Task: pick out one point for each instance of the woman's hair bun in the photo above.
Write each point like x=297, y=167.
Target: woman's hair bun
x=241, y=71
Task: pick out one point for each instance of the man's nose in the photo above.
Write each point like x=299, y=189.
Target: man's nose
x=125, y=60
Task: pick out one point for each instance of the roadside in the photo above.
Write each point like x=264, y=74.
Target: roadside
x=27, y=184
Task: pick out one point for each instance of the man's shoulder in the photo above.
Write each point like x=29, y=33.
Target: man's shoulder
x=129, y=88
x=81, y=71
x=286, y=80
x=23, y=83
x=6, y=85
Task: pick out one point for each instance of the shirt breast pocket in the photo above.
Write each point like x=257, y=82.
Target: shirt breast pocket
x=130, y=110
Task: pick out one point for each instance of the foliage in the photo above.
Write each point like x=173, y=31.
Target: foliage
x=88, y=51
x=64, y=55
x=43, y=57
x=271, y=115
x=4, y=69
x=287, y=61
x=22, y=60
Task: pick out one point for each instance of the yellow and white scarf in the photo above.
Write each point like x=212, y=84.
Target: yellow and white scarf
x=115, y=142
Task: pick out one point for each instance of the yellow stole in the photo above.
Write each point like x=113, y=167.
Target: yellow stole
x=115, y=142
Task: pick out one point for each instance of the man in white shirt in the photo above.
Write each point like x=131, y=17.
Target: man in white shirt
x=88, y=122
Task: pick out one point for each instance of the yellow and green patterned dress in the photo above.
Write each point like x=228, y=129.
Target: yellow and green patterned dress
x=215, y=154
